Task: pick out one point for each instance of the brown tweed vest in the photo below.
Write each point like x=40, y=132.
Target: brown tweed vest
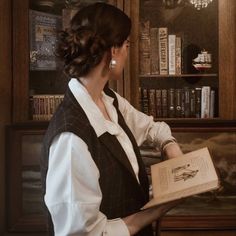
x=122, y=194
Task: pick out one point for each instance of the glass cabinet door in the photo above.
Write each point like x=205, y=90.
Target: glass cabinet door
x=178, y=59
x=38, y=79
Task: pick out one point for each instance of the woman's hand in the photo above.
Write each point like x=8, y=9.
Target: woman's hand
x=145, y=217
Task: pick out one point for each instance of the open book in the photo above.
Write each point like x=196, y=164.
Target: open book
x=180, y=177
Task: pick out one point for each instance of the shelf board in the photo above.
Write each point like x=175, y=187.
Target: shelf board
x=177, y=76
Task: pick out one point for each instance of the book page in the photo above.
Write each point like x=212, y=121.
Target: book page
x=189, y=174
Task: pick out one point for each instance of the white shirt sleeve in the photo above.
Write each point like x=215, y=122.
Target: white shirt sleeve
x=73, y=194
x=143, y=126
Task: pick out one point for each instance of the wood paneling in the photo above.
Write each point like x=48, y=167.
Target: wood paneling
x=20, y=60
x=199, y=233
x=227, y=56
x=134, y=54
x=5, y=94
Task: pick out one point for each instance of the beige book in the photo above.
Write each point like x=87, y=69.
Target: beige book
x=181, y=177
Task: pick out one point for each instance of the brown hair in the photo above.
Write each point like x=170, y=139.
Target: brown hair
x=93, y=30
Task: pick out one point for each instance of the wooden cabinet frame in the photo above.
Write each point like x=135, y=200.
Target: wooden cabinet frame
x=227, y=57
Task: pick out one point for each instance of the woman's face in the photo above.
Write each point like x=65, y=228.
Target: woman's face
x=120, y=57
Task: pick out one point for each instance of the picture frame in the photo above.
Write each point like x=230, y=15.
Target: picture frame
x=214, y=210
x=25, y=209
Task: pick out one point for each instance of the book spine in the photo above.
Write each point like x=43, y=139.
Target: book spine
x=164, y=103
x=198, y=92
x=192, y=100
x=212, y=104
x=171, y=50
x=163, y=50
x=140, y=99
x=158, y=103
x=171, y=102
x=152, y=102
x=205, y=101
x=178, y=103
x=154, y=51
x=145, y=101
x=144, y=49
x=186, y=102
x=178, y=55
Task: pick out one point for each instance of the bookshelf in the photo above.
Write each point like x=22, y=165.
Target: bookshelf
x=52, y=82
x=204, y=29
x=38, y=72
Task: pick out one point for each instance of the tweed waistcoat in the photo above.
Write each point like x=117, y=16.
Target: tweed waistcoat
x=122, y=195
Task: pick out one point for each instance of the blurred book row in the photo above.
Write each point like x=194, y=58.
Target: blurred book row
x=163, y=53
x=42, y=106
x=198, y=102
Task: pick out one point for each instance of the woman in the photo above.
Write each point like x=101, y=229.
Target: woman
x=94, y=179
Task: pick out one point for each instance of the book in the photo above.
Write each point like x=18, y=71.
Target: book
x=152, y=102
x=178, y=103
x=164, y=103
x=43, y=29
x=190, y=174
x=145, y=106
x=186, y=92
x=192, y=102
x=172, y=54
x=205, y=102
x=212, y=104
x=144, y=48
x=154, y=51
x=171, y=102
x=163, y=50
x=158, y=103
x=178, y=55
x=198, y=92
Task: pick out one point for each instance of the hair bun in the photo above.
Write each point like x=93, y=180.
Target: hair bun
x=93, y=30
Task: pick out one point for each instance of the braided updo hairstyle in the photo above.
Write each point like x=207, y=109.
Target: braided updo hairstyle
x=93, y=31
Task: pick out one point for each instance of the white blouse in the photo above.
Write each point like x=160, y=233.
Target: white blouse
x=73, y=194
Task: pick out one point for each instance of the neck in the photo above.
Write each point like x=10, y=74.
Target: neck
x=94, y=82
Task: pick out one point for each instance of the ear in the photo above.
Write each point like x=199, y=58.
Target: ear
x=114, y=51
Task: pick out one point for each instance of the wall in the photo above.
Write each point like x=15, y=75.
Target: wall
x=5, y=95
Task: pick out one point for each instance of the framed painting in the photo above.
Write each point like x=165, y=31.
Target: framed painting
x=25, y=210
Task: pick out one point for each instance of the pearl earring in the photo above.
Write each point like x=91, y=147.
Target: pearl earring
x=112, y=64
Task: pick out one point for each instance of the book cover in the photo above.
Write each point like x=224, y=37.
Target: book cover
x=186, y=92
x=144, y=48
x=164, y=103
x=198, y=92
x=152, y=102
x=184, y=176
x=154, y=51
x=43, y=29
x=192, y=101
x=171, y=102
x=178, y=55
x=212, y=104
x=144, y=93
x=158, y=103
x=172, y=54
x=163, y=50
x=178, y=103
x=205, y=101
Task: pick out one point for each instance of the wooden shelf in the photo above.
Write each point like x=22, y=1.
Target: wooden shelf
x=181, y=75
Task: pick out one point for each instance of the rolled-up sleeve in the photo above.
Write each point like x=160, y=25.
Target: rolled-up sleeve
x=143, y=127
x=73, y=195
